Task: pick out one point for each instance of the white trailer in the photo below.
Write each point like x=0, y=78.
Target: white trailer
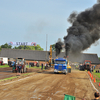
x=4, y=59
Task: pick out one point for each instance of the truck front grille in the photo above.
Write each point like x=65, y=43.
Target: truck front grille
x=60, y=68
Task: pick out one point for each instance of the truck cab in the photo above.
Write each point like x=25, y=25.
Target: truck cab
x=87, y=65
x=60, y=65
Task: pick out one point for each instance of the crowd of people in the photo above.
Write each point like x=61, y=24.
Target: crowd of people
x=18, y=67
x=97, y=71
x=45, y=66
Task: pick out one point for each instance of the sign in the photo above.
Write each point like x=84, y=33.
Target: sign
x=22, y=43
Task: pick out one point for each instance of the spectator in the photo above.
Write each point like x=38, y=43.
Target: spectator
x=37, y=64
x=19, y=69
x=96, y=71
x=45, y=65
x=90, y=69
x=24, y=69
x=96, y=94
x=42, y=66
x=94, y=66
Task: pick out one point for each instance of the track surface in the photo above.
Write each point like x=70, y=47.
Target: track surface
x=48, y=86
x=7, y=72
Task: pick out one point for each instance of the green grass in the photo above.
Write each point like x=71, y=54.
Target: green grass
x=97, y=80
x=35, y=67
x=9, y=78
x=26, y=74
x=15, y=77
x=96, y=75
x=3, y=66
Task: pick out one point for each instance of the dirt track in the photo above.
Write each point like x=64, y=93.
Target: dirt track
x=48, y=86
x=7, y=72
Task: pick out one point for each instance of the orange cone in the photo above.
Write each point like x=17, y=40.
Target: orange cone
x=94, y=80
x=92, y=77
x=99, y=83
x=90, y=74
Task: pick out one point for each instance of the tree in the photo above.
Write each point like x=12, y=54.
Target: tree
x=6, y=46
x=0, y=48
x=37, y=47
x=53, y=47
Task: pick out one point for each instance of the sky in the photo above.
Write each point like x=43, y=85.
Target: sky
x=40, y=21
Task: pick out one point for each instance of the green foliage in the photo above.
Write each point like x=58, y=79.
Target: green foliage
x=36, y=67
x=99, y=58
x=53, y=47
x=26, y=74
x=37, y=47
x=96, y=75
x=0, y=48
x=3, y=66
x=6, y=46
x=9, y=78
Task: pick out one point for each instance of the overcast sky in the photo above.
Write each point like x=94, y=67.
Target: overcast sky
x=31, y=20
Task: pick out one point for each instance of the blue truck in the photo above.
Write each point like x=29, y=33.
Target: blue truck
x=60, y=65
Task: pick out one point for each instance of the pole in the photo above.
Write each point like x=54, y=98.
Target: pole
x=46, y=48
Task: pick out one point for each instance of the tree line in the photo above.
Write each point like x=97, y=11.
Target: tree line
x=37, y=47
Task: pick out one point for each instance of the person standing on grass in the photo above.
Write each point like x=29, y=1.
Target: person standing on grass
x=94, y=66
x=42, y=66
x=45, y=65
x=90, y=69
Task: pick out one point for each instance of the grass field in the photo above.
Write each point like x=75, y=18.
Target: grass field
x=96, y=75
x=35, y=67
x=3, y=66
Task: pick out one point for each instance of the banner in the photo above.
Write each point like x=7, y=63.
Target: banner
x=22, y=43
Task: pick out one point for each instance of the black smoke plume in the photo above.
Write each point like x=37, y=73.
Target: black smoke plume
x=58, y=47
x=85, y=30
x=98, y=1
